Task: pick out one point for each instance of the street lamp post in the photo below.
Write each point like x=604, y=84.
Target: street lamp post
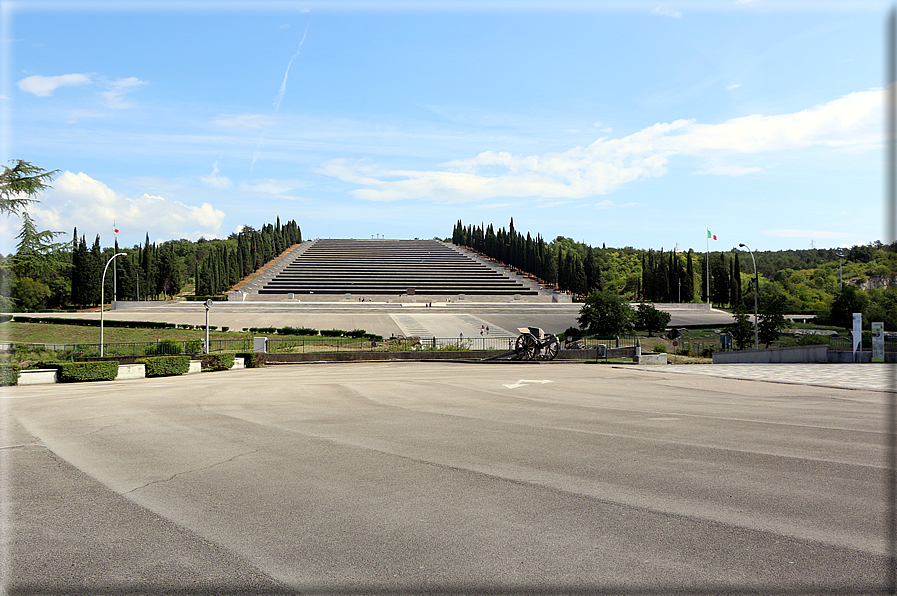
x=756, y=285
x=840, y=275
x=208, y=307
x=103, y=299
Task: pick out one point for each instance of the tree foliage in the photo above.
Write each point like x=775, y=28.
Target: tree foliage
x=21, y=184
x=604, y=312
x=648, y=318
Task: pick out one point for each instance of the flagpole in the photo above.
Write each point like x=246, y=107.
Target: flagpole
x=707, y=258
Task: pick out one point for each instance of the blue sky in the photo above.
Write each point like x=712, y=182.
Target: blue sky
x=631, y=124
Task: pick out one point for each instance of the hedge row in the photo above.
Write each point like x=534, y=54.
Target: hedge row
x=223, y=361
x=355, y=333
x=77, y=372
x=9, y=375
x=204, y=298
x=165, y=366
x=95, y=322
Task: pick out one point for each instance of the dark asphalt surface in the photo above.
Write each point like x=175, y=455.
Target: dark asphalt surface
x=416, y=477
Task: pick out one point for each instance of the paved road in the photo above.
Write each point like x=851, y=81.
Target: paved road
x=366, y=477
x=386, y=319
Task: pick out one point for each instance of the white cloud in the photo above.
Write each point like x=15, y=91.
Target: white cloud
x=733, y=86
x=45, y=86
x=77, y=200
x=119, y=88
x=214, y=180
x=667, y=12
x=244, y=121
x=607, y=164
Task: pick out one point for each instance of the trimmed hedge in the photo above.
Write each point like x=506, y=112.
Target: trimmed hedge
x=165, y=366
x=252, y=359
x=9, y=375
x=95, y=322
x=204, y=298
x=218, y=361
x=74, y=372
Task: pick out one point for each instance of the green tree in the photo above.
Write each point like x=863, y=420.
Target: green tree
x=848, y=301
x=605, y=313
x=771, y=320
x=742, y=331
x=648, y=318
x=20, y=185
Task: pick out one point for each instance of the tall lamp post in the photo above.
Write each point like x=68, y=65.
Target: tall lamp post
x=840, y=254
x=756, y=285
x=103, y=298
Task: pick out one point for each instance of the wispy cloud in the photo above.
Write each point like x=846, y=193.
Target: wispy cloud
x=607, y=204
x=667, y=12
x=733, y=86
x=42, y=86
x=798, y=233
x=115, y=96
x=214, y=180
x=729, y=171
x=243, y=121
x=607, y=164
x=283, y=86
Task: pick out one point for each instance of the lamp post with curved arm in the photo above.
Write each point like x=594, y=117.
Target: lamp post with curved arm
x=103, y=298
x=756, y=285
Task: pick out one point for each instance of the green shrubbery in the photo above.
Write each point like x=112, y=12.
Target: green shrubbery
x=252, y=359
x=9, y=375
x=166, y=346
x=74, y=372
x=165, y=366
x=223, y=361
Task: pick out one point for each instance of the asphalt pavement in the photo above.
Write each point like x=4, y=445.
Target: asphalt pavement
x=444, y=478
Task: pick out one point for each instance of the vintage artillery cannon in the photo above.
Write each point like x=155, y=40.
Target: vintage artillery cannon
x=532, y=344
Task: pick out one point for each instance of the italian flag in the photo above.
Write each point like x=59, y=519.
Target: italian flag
x=711, y=235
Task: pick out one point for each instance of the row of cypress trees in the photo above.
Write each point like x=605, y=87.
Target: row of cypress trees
x=225, y=265
x=153, y=271
x=664, y=276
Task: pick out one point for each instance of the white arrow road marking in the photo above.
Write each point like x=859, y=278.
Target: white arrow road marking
x=523, y=382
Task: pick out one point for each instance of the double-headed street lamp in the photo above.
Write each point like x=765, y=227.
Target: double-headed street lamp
x=103, y=298
x=756, y=285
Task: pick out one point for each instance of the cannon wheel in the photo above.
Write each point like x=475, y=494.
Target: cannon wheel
x=526, y=347
x=551, y=350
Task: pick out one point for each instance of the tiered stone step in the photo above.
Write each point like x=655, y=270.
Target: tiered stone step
x=384, y=267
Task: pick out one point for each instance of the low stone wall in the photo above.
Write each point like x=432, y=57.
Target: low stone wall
x=37, y=376
x=131, y=371
x=795, y=354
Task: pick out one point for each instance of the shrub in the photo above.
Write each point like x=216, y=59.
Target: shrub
x=708, y=351
x=218, y=361
x=166, y=346
x=356, y=333
x=815, y=339
x=252, y=359
x=225, y=328
x=333, y=332
x=659, y=348
x=9, y=375
x=74, y=372
x=165, y=366
x=193, y=346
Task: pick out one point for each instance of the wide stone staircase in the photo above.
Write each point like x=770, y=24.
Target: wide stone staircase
x=391, y=267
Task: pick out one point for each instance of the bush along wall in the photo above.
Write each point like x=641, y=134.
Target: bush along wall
x=165, y=366
x=9, y=375
x=218, y=361
x=252, y=359
x=74, y=372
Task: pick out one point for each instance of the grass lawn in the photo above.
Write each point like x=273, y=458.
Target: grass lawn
x=45, y=333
